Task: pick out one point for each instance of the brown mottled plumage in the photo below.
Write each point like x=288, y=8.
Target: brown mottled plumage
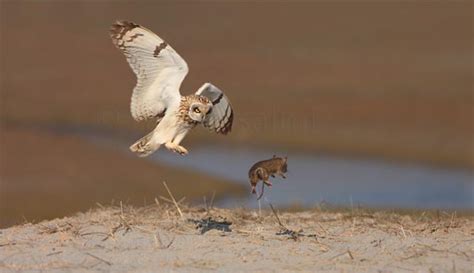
x=262, y=170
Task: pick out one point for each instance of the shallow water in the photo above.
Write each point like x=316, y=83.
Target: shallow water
x=313, y=179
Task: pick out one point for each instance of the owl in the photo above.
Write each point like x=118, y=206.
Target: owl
x=160, y=71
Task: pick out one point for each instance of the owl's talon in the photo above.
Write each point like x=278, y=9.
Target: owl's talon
x=181, y=150
x=176, y=148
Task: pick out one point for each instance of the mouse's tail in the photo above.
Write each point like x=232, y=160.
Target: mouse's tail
x=261, y=192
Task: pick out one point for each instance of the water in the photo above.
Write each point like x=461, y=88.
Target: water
x=314, y=179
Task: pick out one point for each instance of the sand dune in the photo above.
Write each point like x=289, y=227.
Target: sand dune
x=158, y=238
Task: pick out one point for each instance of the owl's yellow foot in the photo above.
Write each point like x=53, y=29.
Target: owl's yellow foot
x=176, y=148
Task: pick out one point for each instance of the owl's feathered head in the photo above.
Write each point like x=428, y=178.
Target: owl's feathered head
x=199, y=107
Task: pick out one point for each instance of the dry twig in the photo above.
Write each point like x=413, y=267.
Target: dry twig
x=99, y=258
x=174, y=200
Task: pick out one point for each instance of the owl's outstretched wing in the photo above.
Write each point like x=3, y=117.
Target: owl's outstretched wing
x=159, y=69
x=221, y=117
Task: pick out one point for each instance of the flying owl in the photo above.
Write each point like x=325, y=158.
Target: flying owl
x=160, y=71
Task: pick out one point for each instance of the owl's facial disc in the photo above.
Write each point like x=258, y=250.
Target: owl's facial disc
x=198, y=111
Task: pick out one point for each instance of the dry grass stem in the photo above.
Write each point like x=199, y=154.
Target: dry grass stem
x=174, y=200
x=99, y=258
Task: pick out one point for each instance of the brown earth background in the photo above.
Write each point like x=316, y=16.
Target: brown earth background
x=389, y=80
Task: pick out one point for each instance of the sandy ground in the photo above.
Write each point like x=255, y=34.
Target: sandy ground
x=147, y=239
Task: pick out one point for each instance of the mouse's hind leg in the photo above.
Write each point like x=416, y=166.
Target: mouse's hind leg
x=267, y=182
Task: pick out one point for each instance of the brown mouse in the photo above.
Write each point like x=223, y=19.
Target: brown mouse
x=262, y=170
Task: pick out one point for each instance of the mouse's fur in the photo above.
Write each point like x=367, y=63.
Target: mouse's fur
x=262, y=170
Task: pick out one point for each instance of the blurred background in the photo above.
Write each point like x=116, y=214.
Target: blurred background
x=371, y=101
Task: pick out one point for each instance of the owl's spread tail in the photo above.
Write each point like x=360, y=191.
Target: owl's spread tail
x=144, y=147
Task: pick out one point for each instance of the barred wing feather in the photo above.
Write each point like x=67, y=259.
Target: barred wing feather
x=158, y=67
x=222, y=116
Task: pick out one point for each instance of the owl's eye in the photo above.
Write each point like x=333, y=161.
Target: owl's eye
x=196, y=110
